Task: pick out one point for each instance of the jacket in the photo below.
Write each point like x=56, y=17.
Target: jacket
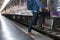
x=37, y=4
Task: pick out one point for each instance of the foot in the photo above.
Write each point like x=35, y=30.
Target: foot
x=44, y=25
x=30, y=33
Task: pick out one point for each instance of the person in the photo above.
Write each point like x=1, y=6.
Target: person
x=36, y=13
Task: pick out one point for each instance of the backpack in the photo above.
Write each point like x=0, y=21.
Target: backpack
x=30, y=4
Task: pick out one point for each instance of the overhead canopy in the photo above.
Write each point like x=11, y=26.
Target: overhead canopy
x=1, y=2
x=4, y=4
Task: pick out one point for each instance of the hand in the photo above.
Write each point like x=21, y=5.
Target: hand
x=47, y=8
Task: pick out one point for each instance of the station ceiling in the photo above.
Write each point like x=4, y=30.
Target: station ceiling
x=1, y=2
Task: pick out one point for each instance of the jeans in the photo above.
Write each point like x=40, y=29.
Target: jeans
x=34, y=19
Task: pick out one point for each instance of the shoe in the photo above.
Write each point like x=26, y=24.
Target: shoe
x=30, y=33
x=44, y=26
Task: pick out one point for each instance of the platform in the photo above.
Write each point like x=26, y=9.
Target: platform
x=9, y=31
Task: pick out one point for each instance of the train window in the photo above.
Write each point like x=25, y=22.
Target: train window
x=55, y=8
x=55, y=4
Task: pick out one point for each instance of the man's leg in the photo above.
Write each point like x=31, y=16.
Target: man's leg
x=44, y=14
x=32, y=22
x=44, y=25
x=42, y=19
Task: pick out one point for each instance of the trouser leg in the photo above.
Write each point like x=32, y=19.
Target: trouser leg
x=35, y=23
x=32, y=22
x=42, y=18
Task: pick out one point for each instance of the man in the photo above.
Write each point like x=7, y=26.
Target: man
x=35, y=11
